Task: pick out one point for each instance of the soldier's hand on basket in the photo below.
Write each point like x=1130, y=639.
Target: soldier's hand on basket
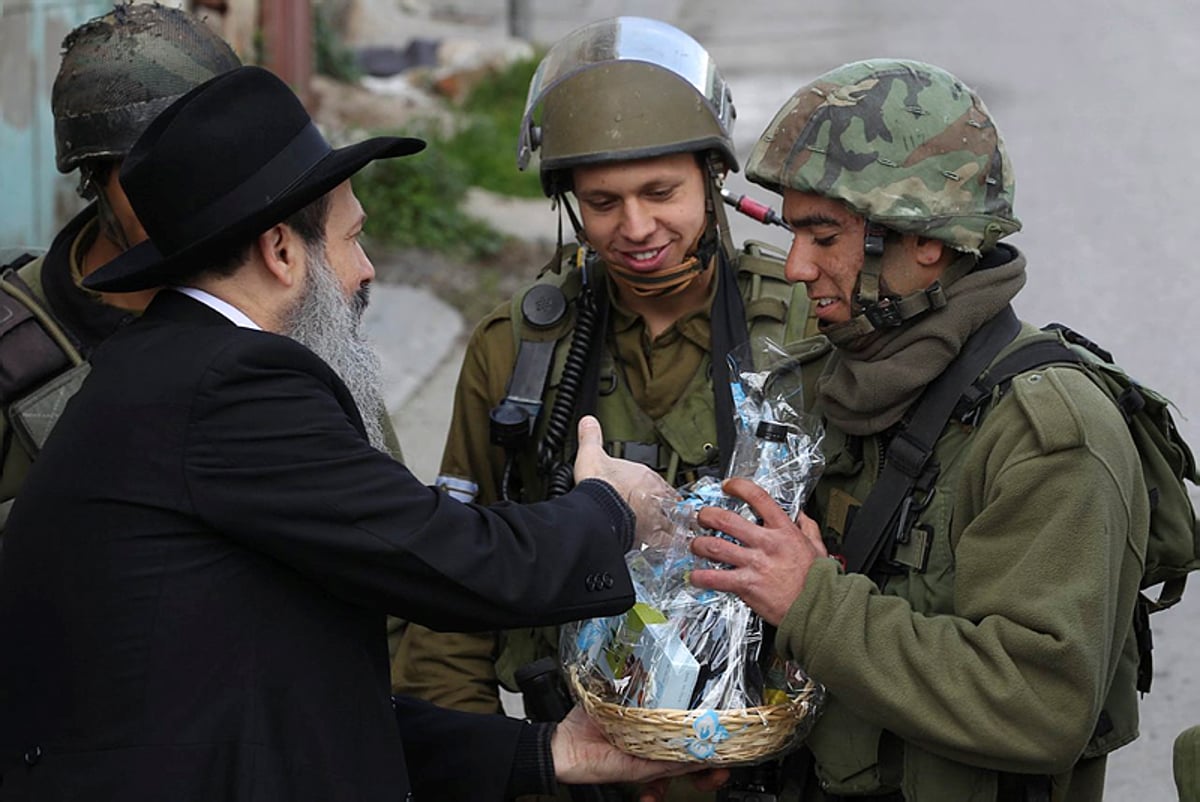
x=641, y=487
x=582, y=756
x=770, y=560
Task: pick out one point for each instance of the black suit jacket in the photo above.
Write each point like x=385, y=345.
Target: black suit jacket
x=195, y=577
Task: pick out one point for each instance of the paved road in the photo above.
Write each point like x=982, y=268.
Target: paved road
x=1097, y=105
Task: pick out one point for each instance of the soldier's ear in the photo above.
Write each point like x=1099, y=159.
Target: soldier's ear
x=928, y=251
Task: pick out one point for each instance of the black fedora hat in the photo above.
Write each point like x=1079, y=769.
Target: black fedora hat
x=222, y=164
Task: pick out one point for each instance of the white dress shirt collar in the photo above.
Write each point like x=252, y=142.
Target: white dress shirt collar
x=235, y=315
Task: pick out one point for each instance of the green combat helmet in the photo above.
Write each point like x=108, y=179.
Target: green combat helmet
x=905, y=145
x=631, y=88
x=620, y=89
x=120, y=70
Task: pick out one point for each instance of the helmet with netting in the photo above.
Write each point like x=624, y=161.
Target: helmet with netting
x=904, y=144
x=120, y=70
x=621, y=89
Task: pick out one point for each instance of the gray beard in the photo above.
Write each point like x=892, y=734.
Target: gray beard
x=327, y=323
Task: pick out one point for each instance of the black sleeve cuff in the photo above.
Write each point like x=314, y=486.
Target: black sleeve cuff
x=620, y=515
x=533, y=764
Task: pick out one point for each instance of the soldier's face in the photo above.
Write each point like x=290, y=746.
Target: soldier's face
x=645, y=215
x=826, y=252
x=827, y=255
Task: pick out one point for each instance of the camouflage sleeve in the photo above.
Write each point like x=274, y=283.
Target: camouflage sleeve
x=450, y=669
x=15, y=460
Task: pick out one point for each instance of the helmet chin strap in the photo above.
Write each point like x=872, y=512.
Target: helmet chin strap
x=880, y=310
x=110, y=224
x=92, y=178
x=661, y=283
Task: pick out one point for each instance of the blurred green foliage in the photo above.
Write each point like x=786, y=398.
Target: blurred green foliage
x=486, y=143
x=332, y=57
x=415, y=201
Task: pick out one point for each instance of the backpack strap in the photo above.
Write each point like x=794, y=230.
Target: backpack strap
x=729, y=334
x=1036, y=354
x=1129, y=401
x=907, y=461
x=11, y=259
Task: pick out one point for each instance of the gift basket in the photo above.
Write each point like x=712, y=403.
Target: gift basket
x=684, y=675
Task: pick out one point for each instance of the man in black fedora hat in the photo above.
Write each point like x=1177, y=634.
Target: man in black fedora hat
x=193, y=590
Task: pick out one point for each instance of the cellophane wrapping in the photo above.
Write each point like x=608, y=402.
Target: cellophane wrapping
x=686, y=648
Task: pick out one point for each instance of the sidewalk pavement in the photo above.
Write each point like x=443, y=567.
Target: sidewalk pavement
x=419, y=338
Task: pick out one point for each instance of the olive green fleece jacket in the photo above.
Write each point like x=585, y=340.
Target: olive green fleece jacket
x=1001, y=654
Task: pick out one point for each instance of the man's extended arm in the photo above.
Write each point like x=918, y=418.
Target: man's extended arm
x=308, y=490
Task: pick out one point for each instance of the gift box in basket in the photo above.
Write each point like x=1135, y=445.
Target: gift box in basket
x=685, y=675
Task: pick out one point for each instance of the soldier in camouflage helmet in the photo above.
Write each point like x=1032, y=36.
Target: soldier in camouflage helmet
x=118, y=71
x=909, y=149
x=974, y=632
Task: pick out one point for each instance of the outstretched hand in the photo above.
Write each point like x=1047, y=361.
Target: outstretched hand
x=641, y=487
x=770, y=560
x=582, y=756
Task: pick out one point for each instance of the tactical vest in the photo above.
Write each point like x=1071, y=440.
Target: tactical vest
x=681, y=445
x=854, y=756
x=41, y=367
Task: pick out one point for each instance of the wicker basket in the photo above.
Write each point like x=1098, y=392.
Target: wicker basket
x=715, y=737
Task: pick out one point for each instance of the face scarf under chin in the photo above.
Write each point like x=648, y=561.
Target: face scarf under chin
x=867, y=388
x=661, y=284
x=669, y=281
x=327, y=322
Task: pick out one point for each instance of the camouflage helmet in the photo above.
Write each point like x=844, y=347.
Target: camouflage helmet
x=120, y=70
x=620, y=89
x=904, y=144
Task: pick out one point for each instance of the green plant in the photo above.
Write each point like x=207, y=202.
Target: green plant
x=486, y=144
x=414, y=202
x=331, y=56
